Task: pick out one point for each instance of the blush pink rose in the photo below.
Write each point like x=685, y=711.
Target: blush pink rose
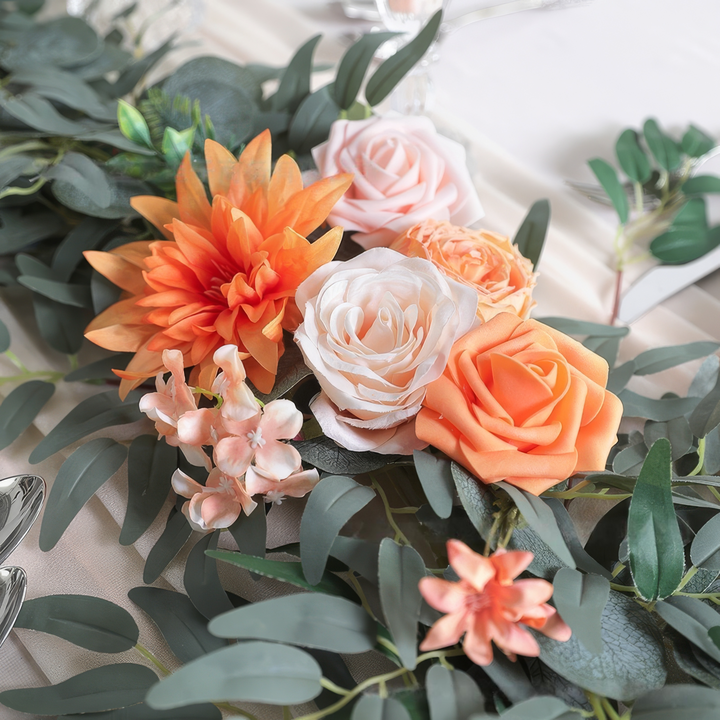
x=405, y=172
x=377, y=330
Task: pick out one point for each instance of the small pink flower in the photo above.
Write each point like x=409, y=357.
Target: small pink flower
x=487, y=606
x=238, y=401
x=296, y=485
x=215, y=505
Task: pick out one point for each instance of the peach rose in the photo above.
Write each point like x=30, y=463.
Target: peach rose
x=404, y=173
x=486, y=261
x=377, y=329
x=523, y=403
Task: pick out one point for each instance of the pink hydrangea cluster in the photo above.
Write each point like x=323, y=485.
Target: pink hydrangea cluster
x=249, y=457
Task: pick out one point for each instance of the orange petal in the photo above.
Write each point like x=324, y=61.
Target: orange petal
x=158, y=211
x=117, y=270
x=135, y=252
x=285, y=182
x=124, y=312
x=121, y=338
x=258, y=375
x=252, y=171
x=220, y=164
x=194, y=206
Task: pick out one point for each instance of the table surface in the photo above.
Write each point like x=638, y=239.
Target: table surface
x=532, y=96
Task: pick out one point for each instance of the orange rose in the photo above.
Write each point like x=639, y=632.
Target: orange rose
x=485, y=261
x=523, y=403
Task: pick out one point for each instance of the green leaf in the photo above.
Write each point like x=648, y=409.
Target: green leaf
x=67, y=294
x=541, y=519
x=202, y=583
x=151, y=464
x=20, y=407
x=701, y=184
x=326, y=455
x=87, y=621
x=437, y=483
x=174, y=536
x=632, y=157
x=692, y=619
x=658, y=359
x=714, y=633
x=633, y=657
x=85, y=236
x=394, y=69
x=62, y=327
x=663, y=147
x=359, y=555
x=122, y=189
x=247, y=672
x=176, y=145
x=400, y=569
x=696, y=143
x=580, y=600
x=310, y=125
x=354, y=65
x=531, y=235
x=250, y=533
x=142, y=712
x=677, y=431
x=673, y=701
x=100, y=369
x=654, y=542
x=581, y=327
x=606, y=348
x=706, y=416
x=635, y=405
x=705, y=548
x=608, y=178
x=79, y=477
x=536, y=708
x=4, y=337
x=134, y=73
x=452, y=695
x=290, y=371
x=332, y=502
x=316, y=621
x=85, y=176
x=103, y=688
x=19, y=229
x=295, y=83
x=373, y=707
x=289, y=572
x=182, y=626
x=133, y=125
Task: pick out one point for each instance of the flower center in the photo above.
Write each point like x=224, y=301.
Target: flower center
x=255, y=438
x=477, y=602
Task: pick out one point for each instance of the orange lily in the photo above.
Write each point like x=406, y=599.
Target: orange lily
x=227, y=271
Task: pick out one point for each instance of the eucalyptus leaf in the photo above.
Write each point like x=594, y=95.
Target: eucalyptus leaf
x=141, y=711
x=64, y=293
x=79, y=477
x=359, y=555
x=19, y=229
x=537, y=708
x=662, y=410
x=100, y=369
x=311, y=123
x=133, y=73
x=20, y=408
x=295, y=83
x=706, y=415
x=696, y=143
x=104, y=688
x=632, y=157
x=88, y=179
x=122, y=189
x=202, y=583
x=705, y=548
x=400, y=569
x=62, y=327
x=701, y=184
x=606, y=348
x=608, y=178
x=332, y=502
x=93, y=414
x=39, y=114
x=174, y=536
x=452, y=695
x=4, y=338
x=570, y=326
x=318, y=621
x=373, y=707
x=670, y=702
x=677, y=431
x=436, y=479
x=90, y=622
x=659, y=359
x=290, y=371
x=531, y=235
x=85, y=236
x=182, y=626
x=246, y=672
x=326, y=455
x=663, y=147
x=250, y=533
x=692, y=619
x=681, y=245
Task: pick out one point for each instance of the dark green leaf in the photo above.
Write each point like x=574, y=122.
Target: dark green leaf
x=620, y=376
x=373, y=707
x=247, y=672
x=103, y=688
x=663, y=148
x=20, y=408
x=630, y=459
x=112, y=59
x=202, y=583
x=66, y=294
x=394, y=69
x=635, y=405
x=400, y=569
x=436, y=480
x=452, y=695
x=142, y=712
x=20, y=230
x=606, y=348
x=100, y=369
x=706, y=415
x=633, y=657
x=174, y=536
x=692, y=619
x=332, y=502
x=289, y=572
x=134, y=73
x=295, y=83
x=87, y=621
x=632, y=157
x=695, y=662
x=696, y=143
x=359, y=555
x=104, y=293
x=531, y=235
x=121, y=190
x=608, y=178
x=581, y=327
x=537, y=708
x=658, y=359
x=317, y=621
x=311, y=123
x=714, y=633
x=705, y=548
x=674, y=701
x=85, y=236
x=712, y=451
x=541, y=519
x=87, y=178
x=93, y=414
x=510, y=678
x=677, y=431
x=4, y=337
x=654, y=541
x=151, y=464
x=354, y=65
x=61, y=326
x=580, y=600
x=78, y=479
x=38, y=113
x=701, y=184
x=14, y=166
x=182, y=626
x=326, y=455
x=250, y=533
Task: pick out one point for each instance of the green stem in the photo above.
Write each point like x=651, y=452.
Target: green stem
x=30, y=190
x=568, y=494
x=399, y=534
x=638, y=197
x=22, y=147
x=596, y=705
x=149, y=656
x=699, y=596
x=623, y=588
x=715, y=492
x=491, y=535
x=701, y=458
x=236, y=710
x=404, y=511
x=15, y=360
x=73, y=362
x=609, y=709
x=210, y=393
x=48, y=374
x=361, y=594
x=438, y=654
x=686, y=579
x=287, y=715
x=332, y=687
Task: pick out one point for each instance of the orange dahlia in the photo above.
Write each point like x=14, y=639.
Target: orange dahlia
x=227, y=271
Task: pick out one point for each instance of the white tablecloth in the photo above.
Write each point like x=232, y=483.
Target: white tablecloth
x=532, y=96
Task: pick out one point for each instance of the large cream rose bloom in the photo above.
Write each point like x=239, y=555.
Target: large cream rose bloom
x=405, y=172
x=376, y=330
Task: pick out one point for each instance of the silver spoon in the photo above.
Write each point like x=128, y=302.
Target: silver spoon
x=13, y=584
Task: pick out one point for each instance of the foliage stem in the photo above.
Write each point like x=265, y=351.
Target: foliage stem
x=618, y=293
x=596, y=705
x=149, y=656
x=361, y=594
x=236, y=710
x=15, y=360
x=701, y=458
x=609, y=709
x=50, y=375
x=686, y=579
x=399, y=534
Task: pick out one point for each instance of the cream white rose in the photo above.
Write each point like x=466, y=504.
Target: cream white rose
x=405, y=172
x=376, y=330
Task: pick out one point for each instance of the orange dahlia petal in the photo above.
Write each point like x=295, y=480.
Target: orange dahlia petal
x=220, y=163
x=117, y=270
x=285, y=182
x=158, y=211
x=124, y=312
x=192, y=200
x=252, y=170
